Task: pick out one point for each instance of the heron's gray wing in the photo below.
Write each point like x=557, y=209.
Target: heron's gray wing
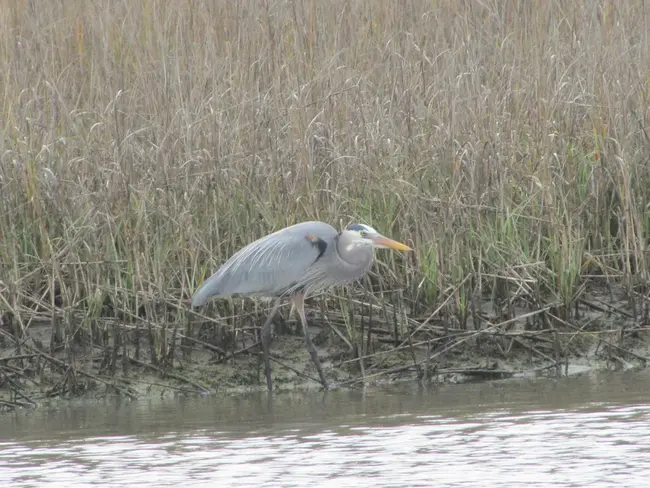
x=270, y=265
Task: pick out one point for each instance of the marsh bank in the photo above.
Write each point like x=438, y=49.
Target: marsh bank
x=220, y=359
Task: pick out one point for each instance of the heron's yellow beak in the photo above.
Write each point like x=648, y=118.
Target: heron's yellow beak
x=381, y=241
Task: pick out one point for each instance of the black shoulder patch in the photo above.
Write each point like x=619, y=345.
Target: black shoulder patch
x=318, y=243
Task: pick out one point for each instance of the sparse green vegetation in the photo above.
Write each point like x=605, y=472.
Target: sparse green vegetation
x=143, y=142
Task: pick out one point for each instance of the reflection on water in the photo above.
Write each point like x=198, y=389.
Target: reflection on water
x=592, y=430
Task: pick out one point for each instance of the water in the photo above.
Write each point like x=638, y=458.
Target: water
x=589, y=430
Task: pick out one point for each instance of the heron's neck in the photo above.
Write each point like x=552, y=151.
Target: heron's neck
x=352, y=251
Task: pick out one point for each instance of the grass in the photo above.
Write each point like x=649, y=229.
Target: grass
x=144, y=142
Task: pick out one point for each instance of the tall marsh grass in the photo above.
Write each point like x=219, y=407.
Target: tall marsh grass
x=143, y=142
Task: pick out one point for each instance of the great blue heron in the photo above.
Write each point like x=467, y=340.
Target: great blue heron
x=296, y=261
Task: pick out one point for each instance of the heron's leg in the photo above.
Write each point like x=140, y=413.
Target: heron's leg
x=299, y=302
x=266, y=342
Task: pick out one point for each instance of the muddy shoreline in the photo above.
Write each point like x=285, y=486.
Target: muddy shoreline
x=223, y=360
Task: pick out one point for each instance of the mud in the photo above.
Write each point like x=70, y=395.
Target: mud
x=599, y=337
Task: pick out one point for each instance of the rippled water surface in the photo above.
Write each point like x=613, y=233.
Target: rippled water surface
x=590, y=430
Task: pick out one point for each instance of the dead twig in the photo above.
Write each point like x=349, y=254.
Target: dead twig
x=604, y=307
x=611, y=344
x=63, y=364
x=18, y=357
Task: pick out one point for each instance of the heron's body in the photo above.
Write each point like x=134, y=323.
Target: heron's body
x=309, y=256
x=295, y=261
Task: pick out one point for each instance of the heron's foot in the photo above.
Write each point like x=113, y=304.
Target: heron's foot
x=326, y=385
x=316, y=360
x=266, y=333
x=269, y=382
x=266, y=339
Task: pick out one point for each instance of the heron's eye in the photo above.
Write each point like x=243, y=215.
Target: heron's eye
x=363, y=233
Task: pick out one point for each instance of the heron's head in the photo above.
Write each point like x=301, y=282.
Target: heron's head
x=361, y=234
